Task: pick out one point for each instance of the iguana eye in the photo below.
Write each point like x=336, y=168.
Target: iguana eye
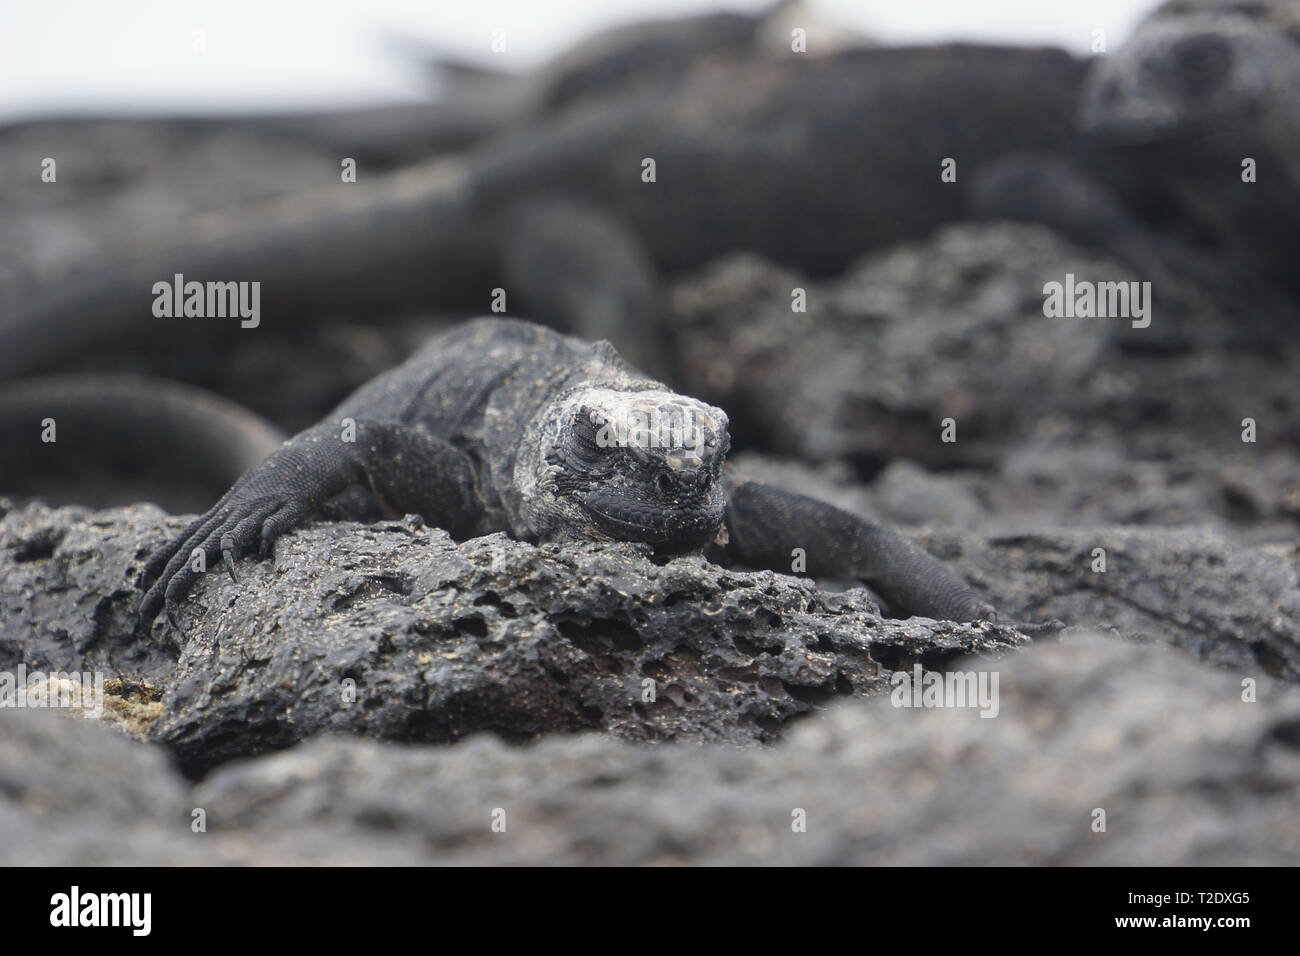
x=587, y=428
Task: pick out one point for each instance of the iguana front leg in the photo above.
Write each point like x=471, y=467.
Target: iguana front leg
x=765, y=524
x=407, y=470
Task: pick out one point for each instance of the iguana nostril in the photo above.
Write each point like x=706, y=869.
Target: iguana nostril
x=664, y=484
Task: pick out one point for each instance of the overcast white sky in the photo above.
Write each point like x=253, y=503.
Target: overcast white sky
x=140, y=55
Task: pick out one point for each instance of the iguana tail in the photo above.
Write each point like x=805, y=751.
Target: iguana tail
x=100, y=439
x=395, y=244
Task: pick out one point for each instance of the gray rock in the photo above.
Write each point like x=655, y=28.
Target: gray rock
x=1203, y=588
x=395, y=631
x=443, y=640
x=1058, y=420
x=1186, y=771
x=77, y=792
x=1073, y=435
x=68, y=590
x=1233, y=606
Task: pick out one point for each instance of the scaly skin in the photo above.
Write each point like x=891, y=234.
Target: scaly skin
x=502, y=425
x=811, y=161
x=1200, y=86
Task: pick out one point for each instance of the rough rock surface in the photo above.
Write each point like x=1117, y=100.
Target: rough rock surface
x=1236, y=607
x=1199, y=587
x=1072, y=435
x=395, y=631
x=68, y=591
x=1062, y=420
x=1186, y=771
x=954, y=326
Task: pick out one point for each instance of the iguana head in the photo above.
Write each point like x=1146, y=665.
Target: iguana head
x=629, y=465
x=1192, y=67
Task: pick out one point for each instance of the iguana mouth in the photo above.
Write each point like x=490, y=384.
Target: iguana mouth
x=687, y=524
x=640, y=465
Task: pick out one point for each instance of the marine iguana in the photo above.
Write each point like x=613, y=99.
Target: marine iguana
x=1200, y=86
x=810, y=161
x=1165, y=123
x=639, y=55
x=504, y=425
